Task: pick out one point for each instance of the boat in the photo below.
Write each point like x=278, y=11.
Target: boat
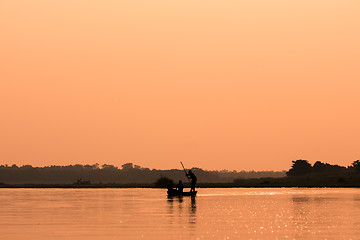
x=175, y=193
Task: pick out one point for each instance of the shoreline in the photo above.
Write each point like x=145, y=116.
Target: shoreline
x=94, y=186
x=307, y=181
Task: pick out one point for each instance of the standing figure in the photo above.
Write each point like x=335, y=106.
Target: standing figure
x=193, y=178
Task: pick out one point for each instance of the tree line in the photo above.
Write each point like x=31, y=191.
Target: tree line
x=127, y=173
x=130, y=173
x=304, y=174
x=303, y=167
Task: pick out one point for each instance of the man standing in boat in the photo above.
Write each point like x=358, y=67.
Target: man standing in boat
x=193, y=179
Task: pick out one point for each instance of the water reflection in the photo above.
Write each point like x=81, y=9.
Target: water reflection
x=192, y=215
x=322, y=212
x=300, y=199
x=176, y=205
x=301, y=213
x=170, y=201
x=193, y=204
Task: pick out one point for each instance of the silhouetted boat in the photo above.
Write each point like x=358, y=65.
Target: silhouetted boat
x=178, y=194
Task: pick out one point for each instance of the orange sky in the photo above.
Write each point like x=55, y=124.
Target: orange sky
x=217, y=84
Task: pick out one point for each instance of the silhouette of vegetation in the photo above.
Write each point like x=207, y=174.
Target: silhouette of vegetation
x=82, y=182
x=128, y=173
x=301, y=174
x=303, y=167
x=162, y=182
x=355, y=166
x=299, y=168
x=320, y=167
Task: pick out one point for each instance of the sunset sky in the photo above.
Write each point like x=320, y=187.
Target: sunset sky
x=244, y=85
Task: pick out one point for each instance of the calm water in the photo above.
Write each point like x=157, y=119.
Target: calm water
x=149, y=214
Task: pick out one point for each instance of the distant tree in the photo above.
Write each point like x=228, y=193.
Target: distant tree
x=95, y=166
x=27, y=167
x=356, y=166
x=162, y=182
x=14, y=166
x=320, y=167
x=78, y=166
x=300, y=167
x=127, y=166
x=108, y=167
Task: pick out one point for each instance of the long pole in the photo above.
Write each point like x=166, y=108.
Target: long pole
x=185, y=171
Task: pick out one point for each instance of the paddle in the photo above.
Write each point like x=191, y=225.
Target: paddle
x=185, y=172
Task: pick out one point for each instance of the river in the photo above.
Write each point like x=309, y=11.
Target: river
x=230, y=213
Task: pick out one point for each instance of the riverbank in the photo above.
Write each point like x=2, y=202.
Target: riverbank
x=310, y=181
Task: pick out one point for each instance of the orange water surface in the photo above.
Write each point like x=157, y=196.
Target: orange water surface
x=149, y=214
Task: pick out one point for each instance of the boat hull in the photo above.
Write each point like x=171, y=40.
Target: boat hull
x=178, y=194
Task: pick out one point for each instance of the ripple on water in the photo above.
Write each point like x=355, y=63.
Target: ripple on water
x=147, y=213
